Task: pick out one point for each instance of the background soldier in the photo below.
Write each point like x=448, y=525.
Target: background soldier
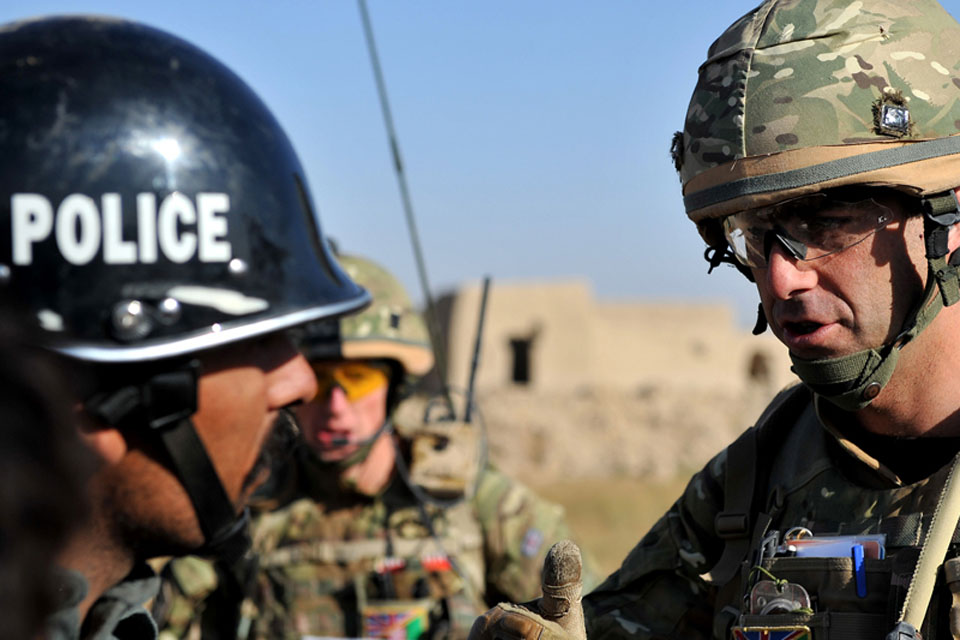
x=379, y=529
x=820, y=156
x=156, y=226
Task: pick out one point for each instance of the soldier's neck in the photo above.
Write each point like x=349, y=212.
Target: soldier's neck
x=923, y=398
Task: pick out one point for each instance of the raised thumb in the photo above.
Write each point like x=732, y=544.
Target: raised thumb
x=563, y=588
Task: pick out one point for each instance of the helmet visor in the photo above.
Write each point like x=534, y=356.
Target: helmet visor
x=809, y=228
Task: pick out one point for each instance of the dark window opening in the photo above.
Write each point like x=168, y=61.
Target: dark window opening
x=520, y=349
x=759, y=368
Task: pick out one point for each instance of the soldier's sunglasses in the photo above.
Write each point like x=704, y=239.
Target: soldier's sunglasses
x=809, y=228
x=356, y=378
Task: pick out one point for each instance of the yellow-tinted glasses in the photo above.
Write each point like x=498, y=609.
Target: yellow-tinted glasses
x=356, y=378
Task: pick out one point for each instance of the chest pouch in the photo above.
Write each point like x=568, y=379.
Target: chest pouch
x=410, y=599
x=841, y=609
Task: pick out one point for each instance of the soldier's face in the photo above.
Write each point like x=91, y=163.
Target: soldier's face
x=241, y=390
x=850, y=301
x=335, y=426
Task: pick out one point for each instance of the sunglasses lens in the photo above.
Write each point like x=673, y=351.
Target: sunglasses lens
x=357, y=379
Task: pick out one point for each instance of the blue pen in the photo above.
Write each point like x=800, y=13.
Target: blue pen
x=859, y=570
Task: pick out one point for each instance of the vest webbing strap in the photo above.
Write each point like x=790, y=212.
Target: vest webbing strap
x=934, y=550
x=733, y=523
x=348, y=551
x=748, y=460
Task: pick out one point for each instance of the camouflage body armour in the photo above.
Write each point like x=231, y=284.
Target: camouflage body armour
x=818, y=479
x=353, y=566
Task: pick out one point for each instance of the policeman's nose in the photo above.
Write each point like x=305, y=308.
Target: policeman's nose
x=786, y=276
x=292, y=382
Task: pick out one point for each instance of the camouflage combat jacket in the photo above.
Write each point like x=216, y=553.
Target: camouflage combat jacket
x=815, y=478
x=333, y=564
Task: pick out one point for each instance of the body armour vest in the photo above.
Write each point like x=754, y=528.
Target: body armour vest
x=819, y=482
x=327, y=562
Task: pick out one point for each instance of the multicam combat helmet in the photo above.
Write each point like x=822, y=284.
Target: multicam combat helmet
x=389, y=329
x=799, y=96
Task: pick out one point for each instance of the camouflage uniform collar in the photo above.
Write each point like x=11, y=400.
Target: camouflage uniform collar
x=826, y=414
x=935, y=452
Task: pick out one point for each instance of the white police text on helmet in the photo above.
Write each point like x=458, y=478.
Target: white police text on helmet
x=177, y=228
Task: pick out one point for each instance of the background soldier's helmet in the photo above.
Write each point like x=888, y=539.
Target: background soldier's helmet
x=801, y=95
x=390, y=328
x=151, y=204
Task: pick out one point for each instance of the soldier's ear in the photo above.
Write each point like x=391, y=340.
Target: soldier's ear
x=106, y=442
x=953, y=239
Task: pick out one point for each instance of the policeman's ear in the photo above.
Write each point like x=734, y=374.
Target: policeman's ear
x=106, y=442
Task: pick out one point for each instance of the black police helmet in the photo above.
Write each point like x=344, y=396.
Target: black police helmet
x=150, y=204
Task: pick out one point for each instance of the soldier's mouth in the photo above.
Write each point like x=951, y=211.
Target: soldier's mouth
x=802, y=328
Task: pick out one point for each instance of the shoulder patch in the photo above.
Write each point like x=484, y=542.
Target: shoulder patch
x=532, y=541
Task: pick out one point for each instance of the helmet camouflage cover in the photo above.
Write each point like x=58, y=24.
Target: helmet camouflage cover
x=802, y=95
x=390, y=328
x=799, y=96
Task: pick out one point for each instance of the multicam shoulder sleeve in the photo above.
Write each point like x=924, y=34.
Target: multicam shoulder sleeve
x=518, y=527
x=662, y=589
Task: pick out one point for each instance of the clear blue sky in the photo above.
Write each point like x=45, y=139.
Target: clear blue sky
x=535, y=132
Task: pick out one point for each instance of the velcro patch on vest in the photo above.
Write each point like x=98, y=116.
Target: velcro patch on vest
x=396, y=620
x=771, y=633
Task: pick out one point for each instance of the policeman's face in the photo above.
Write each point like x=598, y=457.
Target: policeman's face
x=241, y=390
x=850, y=301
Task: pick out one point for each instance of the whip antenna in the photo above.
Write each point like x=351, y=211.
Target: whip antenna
x=433, y=323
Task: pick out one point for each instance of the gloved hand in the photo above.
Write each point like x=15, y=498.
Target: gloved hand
x=558, y=615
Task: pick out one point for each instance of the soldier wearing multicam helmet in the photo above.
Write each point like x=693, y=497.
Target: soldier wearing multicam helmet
x=376, y=530
x=821, y=157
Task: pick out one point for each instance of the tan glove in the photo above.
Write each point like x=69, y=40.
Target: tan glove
x=558, y=615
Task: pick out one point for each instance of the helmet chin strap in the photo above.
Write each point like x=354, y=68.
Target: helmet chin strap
x=852, y=382
x=363, y=447
x=164, y=404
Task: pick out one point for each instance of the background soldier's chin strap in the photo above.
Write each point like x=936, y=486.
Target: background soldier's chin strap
x=363, y=447
x=164, y=404
x=852, y=382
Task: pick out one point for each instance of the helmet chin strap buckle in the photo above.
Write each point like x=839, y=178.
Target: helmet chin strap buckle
x=941, y=213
